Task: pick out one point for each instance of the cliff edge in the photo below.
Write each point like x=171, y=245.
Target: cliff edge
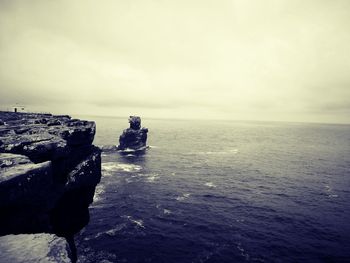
x=48, y=173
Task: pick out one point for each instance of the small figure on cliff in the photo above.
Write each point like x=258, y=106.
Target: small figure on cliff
x=135, y=137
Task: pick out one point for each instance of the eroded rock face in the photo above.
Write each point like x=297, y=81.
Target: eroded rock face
x=48, y=173
x=135, y=137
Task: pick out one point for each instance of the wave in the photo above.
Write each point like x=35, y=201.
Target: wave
x=110, y=232
x=330, y=192
x=332, y=196
x=151, y=177
x=130, y=150
x=166, y=211
x=99, y=191
x=109, y=148
x=183, y=197
x=230, y=151
x=114, y=167
x=210, y=184
x=137, y=222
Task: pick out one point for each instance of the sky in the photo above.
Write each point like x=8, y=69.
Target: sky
x=273, y=60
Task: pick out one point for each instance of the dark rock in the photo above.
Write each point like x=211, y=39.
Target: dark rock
x=2, y=123
x=109, y=148
x=84, y=174
x=43, y=121
x=79, y=133
x=67, y=117
x=48, y=173
x=135, y=122
x=21, y=130
x=22, y=182
x=32, y=248
x=79, y=191
x=54, y=122
x=135, y=137
x=39, y=147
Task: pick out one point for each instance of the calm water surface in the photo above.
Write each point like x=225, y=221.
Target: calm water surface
x=216, y=191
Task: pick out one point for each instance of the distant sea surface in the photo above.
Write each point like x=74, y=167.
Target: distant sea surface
x=222, y=191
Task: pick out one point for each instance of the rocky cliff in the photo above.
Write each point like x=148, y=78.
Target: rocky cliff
x=133, y=138
x=48, y=173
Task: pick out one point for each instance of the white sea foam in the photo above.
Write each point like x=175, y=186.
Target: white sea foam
x=242, y=251
x=152, y=177
x=113, y=167
x=107, y=173
x=210, y=184
x=114, y=231
x=137, y=222
x=330, y=191
x=129, y=180
x=333, y=196
x=129, y=150
x=110, y=232
x=99, y=191
x=183, y=197
x=166, y=211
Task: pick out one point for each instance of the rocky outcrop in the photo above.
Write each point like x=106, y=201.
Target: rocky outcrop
x=31, y=248
x=48, y=173
x=135, y=137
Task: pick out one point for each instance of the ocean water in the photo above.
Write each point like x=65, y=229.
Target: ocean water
x=218, y=191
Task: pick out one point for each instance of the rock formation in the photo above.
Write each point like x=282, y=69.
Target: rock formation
x=48, y=173
x=31, y=247
x=135, y=137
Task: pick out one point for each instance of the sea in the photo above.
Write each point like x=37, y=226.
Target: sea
x=221, y=191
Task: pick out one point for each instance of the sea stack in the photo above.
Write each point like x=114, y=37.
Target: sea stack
x=133, y=138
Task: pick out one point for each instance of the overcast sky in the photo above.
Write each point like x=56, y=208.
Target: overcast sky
x=238, y=59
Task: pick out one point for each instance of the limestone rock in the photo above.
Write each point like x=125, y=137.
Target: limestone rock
x=135, y=122
x=79, y=191
x=32, y=248
x=135, y=137
x=8, y=160
x=84, y=174
x=21, y=181
x=48, y=173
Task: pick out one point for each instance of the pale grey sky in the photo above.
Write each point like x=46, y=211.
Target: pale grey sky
x=219, y=59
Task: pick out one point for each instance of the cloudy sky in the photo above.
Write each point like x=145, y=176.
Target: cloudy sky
x=240, y=59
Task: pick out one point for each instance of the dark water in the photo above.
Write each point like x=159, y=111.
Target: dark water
x=222, y=192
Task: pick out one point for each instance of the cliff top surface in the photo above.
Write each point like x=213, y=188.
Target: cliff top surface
x=42, y=137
